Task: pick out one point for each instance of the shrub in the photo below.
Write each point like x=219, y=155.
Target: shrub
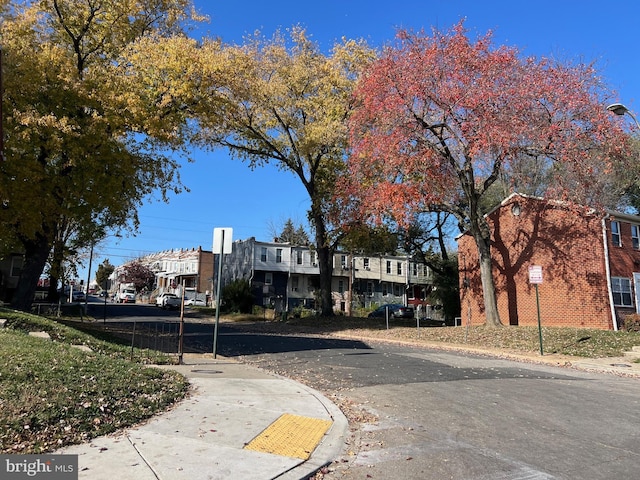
x=237, y=297
x=631, y=323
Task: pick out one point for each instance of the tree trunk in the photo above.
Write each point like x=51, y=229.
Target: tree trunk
x=486, y=276
x=325, y=262
x=55, y=273
x=36, y=252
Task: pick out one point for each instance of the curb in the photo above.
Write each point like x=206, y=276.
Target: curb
x=331, y=446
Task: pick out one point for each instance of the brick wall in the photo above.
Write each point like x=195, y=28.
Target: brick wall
x=566, y=242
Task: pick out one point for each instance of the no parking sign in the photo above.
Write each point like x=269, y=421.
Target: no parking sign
x=535, y=274
x=535, y=278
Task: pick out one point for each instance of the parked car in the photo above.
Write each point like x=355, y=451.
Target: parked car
x=78, y=296
x=168, y=300
x=395, y=311
x=198, y=302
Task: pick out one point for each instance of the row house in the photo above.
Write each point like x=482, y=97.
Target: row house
x=285, y=276
x=191, y=269
x=375, y=280
x=10, y=270
x=281, y=276
x=590, y=263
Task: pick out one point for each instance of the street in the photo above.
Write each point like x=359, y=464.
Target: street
x=431, y=414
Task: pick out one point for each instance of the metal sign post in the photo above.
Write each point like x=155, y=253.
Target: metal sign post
x=181, y=333
x=535, y=278
x=221, y=242
x=386, y=316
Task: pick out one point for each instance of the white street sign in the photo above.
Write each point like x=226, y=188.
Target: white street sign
x=218, y=234
x=535, y=274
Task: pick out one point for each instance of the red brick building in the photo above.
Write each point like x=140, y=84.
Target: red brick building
x=590, y=265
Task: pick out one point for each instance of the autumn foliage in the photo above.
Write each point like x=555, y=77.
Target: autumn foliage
x=440, y=118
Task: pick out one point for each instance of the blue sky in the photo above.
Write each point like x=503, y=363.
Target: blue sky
x=226, y=193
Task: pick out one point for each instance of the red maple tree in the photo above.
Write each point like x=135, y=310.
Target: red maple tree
x=440, y=117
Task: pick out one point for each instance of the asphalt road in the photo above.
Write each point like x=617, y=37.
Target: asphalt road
x=427, y=414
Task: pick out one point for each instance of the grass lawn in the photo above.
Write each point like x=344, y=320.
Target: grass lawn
x=54, y=394
x=578, y=342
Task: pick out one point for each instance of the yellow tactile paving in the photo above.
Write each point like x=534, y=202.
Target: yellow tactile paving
x=291, y=436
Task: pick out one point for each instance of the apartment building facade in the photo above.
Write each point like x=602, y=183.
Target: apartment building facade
x=286, y=276
x=10, y=270
x=590, y=263
x=191, y=269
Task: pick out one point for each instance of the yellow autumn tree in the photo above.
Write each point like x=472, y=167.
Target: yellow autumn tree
x=83, y=143
x=282, y=100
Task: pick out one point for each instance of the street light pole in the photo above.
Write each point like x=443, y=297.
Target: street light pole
x=620, y=109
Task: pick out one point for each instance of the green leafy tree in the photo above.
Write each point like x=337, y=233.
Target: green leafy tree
x=88, y=138
x=292, y=235
x=237, y=297
x=631, y=179
x=369, y=240
x=104, y=271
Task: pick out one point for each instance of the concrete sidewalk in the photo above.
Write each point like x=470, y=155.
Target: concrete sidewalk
x=238, y=423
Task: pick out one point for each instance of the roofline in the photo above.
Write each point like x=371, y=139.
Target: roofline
x=608, y=213
x=623, y=216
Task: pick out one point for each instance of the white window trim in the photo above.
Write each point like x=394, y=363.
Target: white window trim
x=618, y=282
x=635, y=236
x=616, y=237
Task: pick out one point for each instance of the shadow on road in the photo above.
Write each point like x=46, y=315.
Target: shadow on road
x=198, y=338
x=234, y=344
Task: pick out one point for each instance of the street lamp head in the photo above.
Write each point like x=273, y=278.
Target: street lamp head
x=618, y=108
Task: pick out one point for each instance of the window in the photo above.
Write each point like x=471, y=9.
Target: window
x=268, y=278
x=399, y=268
x=415, y=269
x=389, y=266
x=365, y=262
x=343, y=262
x=385, y=290
x=263, y=254
x=615, y=234
x=314, y=259
x=16, y=266
x=621, y=288
x=294, y=283
x=340, y=286
x=635, y=236
x=370, y=289
x=278, y=255
x=299, y=257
